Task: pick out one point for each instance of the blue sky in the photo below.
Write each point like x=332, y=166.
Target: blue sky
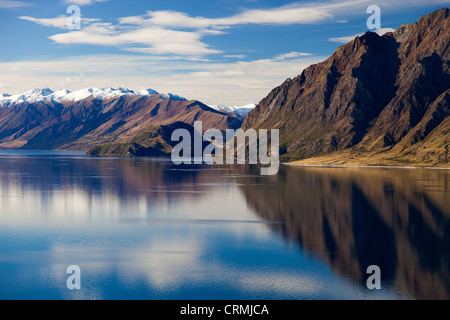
x=218, y=51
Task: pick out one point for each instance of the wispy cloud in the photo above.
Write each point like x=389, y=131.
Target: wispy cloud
x=212, y=82
x=58, y=22
x=149, y=40
x=291, y=55
x=296, y=13
x=152, y=40
x=292, y=14
x=346, y=39
x=9, y=4
x=82, y=2
x=158, y=32
x=237, y=56
x=178, y=33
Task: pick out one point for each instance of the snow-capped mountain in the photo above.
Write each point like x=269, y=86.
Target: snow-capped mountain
x=30, y=96
x=240, y=111
x=64, y=95
x=55, y=121
x=147, y=92
x=98, y=93
x=172, y=96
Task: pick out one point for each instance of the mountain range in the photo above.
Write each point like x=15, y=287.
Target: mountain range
x=241, y=111
x=378, y=100
x=82, y=120
x=66, y=96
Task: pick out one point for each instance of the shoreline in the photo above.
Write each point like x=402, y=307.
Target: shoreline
x=360, y=166
x=294, y=164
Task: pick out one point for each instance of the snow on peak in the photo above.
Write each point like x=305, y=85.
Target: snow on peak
x=29, y=96
x=62, y=95
x=172, y=96
x=242, y=110
x=38, y=92
x=147, y=92
x=35, y=95
x=97, y=93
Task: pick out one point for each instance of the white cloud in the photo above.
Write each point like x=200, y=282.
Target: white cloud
x=9, y=4
x=58, y=22
x=382, y=31
x=291, y=55
x=292, y=14
x=283, y=15
x=149, y=40
x=152, y=33
x=212, y=82
x=154, y=40
x=238, y=56
x=346, y=39
x=158, y=32
x=82, y=2
x=297, y=13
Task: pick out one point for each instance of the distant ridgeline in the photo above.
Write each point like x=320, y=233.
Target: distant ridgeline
x=103, y=121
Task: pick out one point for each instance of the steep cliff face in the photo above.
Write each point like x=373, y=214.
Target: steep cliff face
x=375, y=94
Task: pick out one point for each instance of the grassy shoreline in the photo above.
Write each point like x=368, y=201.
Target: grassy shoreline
x=368, y=162
x=362, y=166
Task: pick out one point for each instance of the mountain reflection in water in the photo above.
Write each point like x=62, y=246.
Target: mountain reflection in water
x=147, y=229
x=398, y=219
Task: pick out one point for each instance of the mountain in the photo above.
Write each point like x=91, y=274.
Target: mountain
x=154, y=141
x=80, y=120
x=240, y=111
x=64, y=95
x=234, y=111
x=376, y=100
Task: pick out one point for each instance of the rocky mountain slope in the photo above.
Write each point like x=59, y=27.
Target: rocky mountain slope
x=81, y=120
x=376, y=100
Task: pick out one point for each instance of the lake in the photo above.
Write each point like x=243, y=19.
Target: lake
x=142, y=228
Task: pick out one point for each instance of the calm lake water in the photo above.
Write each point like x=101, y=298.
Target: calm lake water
x=147, y=229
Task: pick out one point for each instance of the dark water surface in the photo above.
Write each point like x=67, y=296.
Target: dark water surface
x=147, y=229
